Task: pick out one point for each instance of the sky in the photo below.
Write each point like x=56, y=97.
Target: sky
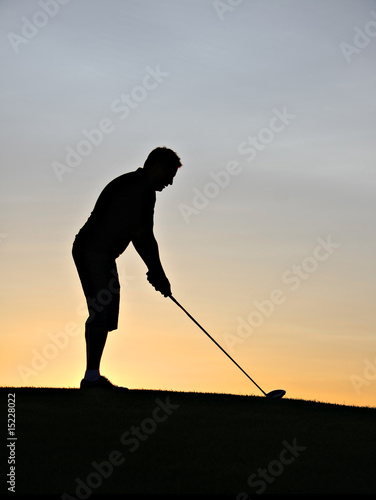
x=268, y=233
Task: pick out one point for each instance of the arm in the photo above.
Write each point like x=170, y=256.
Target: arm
x=147, y=247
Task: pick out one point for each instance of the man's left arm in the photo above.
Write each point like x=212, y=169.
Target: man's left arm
x=147, y=247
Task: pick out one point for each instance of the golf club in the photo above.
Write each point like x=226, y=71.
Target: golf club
x=278, y=393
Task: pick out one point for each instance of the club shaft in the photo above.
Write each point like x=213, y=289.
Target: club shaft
x=215, y=342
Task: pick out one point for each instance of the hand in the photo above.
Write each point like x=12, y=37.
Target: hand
x=160, y=283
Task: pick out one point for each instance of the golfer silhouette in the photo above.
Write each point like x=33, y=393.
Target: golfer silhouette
x=123, y=213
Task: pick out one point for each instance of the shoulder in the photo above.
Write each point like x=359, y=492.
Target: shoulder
x=124, y=181
x=134, y=185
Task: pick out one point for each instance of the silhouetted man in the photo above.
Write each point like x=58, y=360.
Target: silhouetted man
x=123, y=214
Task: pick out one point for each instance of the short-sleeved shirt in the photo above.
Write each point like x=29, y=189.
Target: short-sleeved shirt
x=125, y=205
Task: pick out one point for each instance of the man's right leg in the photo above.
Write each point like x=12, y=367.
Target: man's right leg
x=96, y=337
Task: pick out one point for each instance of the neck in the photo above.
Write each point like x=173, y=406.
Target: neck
x=150, y=177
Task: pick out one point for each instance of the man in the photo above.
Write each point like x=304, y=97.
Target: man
x=122, y=214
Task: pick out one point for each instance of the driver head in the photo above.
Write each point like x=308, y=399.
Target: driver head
x=278, y=393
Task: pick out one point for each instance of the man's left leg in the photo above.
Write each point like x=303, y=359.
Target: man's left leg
x=95, y=337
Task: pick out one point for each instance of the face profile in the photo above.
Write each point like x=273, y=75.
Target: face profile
x=160, y=167
x=163, y=176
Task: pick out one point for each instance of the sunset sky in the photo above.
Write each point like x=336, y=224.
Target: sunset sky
x=268, y=233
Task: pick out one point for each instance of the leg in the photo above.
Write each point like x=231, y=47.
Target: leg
x=95, y=337
x=100, y=283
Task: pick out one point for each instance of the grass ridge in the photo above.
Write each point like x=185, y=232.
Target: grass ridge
x=153, y=441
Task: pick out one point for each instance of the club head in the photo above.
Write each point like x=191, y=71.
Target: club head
x=278, y=393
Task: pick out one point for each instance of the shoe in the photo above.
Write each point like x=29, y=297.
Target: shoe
x=100, y=383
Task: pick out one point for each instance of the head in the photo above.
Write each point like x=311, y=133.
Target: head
x=161, y=166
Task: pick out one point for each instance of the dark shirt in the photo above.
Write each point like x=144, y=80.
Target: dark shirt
x=124, y=206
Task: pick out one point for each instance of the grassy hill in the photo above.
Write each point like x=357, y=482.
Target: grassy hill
x=76, y=444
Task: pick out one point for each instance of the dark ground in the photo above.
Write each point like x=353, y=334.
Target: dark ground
x=156, y=442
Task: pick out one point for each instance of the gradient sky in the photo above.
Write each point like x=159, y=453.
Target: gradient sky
x=268, y=233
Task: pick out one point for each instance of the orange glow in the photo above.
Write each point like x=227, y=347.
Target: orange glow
x=158, y=347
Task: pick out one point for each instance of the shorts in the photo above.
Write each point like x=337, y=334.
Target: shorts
x=100, y=282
